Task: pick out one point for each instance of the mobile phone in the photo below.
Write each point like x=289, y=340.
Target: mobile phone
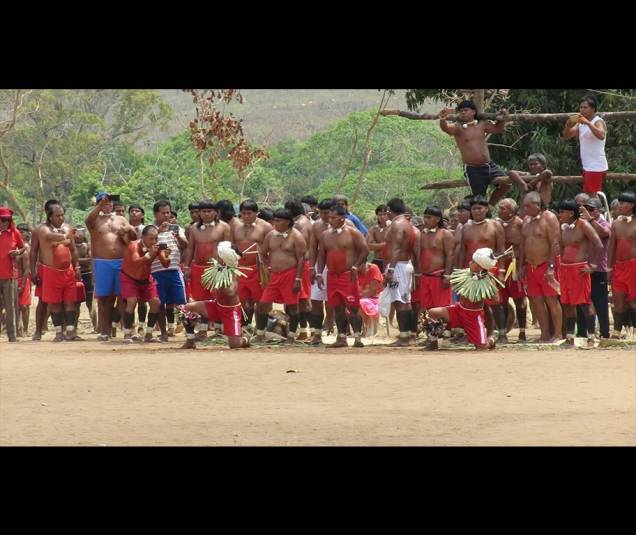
x=173, y=228
x=114, y=197
x=163, y=246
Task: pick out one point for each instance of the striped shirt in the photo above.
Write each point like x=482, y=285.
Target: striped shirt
x=175, y=254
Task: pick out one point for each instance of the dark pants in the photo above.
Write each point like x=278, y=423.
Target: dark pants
x=9, y=298
x=601, y=306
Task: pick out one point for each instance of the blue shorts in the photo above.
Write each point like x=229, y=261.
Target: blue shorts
x=106, y=272
x=170, y=286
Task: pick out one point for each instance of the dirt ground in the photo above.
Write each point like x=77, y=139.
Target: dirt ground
x=108, y=394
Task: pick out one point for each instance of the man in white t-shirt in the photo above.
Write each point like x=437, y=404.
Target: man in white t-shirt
x=592, y=133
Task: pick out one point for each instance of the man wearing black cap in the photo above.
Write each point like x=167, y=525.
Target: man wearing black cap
x=592, y=213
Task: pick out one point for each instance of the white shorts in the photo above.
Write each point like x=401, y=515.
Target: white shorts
x=403, y=274
x=316, y=293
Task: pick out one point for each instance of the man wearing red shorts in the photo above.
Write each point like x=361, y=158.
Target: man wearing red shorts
x=303, y=224
x=437, y=247
x=514, y=289
x=283, y=251
x=622, y=263
x=24, y=281
x=248, y=237
x=205, y=236
x=60, y=272
x=538, y=258
x=578, y=242
x=137, y=284
x=344, y=250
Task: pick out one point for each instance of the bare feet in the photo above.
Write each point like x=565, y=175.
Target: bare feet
x=400, y=342
x=148, y=339
x=302, y=337
x=113, y=332
x=259, y=338
x=103, y=338
x=503, y=339
x=316, y=340
x=36, y=337
x=59, y=337
x=202, y=335
x=431, y=345
x=522, y=336
x=358, y=343
x=163, y=338
x=171, y=331
x=74, y=338
x=189, y=344
x=491, y=342
x=128, y=339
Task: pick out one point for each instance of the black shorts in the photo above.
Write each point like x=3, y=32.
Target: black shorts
x=379, y=262
x=480, y=176
x=87, y=279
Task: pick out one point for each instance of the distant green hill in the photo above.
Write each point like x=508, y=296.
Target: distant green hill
x=272, y=115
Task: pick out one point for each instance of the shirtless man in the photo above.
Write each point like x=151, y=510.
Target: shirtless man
x=437, y=249
x=512, y=223
x=136, y=218
x=540, y=248
x=344, y=250
x=284, y=251
x=399, y=270
x=110, y=235
x=193, y=208
x=303, y=224
x=227, y=214
x=318, y=293
x=85, y=261
x=24, y=281
x=205, y=237
x=470, y=136
x=137, y=284
x=60, y=271
x=579, y=241
x=376, y=238
x=622, y=263
x=538, y=179
x=223, y=307
x=119, y=208
x=481, y=232
x=249, y=237
x=41, y=310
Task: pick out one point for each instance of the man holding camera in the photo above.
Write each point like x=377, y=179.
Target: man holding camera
x=170, y=283
x=110, y=235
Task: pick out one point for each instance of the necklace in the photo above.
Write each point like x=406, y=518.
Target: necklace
x=472, y=123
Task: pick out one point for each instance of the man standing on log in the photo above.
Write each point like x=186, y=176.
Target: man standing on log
x=470, y=136
x=592, y=133
x=483, y=232
x=622, y=263
x=540, y=247
x=514, y=289
x=344, y=250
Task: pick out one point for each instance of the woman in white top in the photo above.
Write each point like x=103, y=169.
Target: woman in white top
x=592, y=133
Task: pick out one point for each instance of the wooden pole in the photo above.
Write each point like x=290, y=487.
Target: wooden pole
x=519, y=117
x=460, y=183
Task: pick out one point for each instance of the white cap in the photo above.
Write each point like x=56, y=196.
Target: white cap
x=485, y=258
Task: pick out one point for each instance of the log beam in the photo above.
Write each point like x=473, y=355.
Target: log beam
x=570, y=179
x=518, y=117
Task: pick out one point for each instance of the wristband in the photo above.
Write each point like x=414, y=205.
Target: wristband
x=298, y=279
x=317, y=275
x=390, y=269
x=354, y=268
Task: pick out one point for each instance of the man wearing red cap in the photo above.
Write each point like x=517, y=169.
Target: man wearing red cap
x=11, y=246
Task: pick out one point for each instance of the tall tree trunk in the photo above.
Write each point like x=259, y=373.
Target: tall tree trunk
x=478, y=99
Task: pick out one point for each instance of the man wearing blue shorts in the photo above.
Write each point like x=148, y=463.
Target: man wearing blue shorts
x=170, y=282
x=110, y=235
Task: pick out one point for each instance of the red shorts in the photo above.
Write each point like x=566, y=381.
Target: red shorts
x=38, y=287
x=80, y=292
x=593, y=181
x=197, y=291
x=250, y=286
x=535, y=281
x=514, y=290
x=341, y=290
x=58, y=285
x=432, y=294
x=472, y=321
x=230, y=316
x=305, y=283
x=417, y=292
x=498, y=299
x=624, y=278
x=131, y=288
x=576, y=287
x=279, y=289
x=24, y=299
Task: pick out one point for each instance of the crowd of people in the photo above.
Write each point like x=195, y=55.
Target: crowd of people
x=320, y=262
